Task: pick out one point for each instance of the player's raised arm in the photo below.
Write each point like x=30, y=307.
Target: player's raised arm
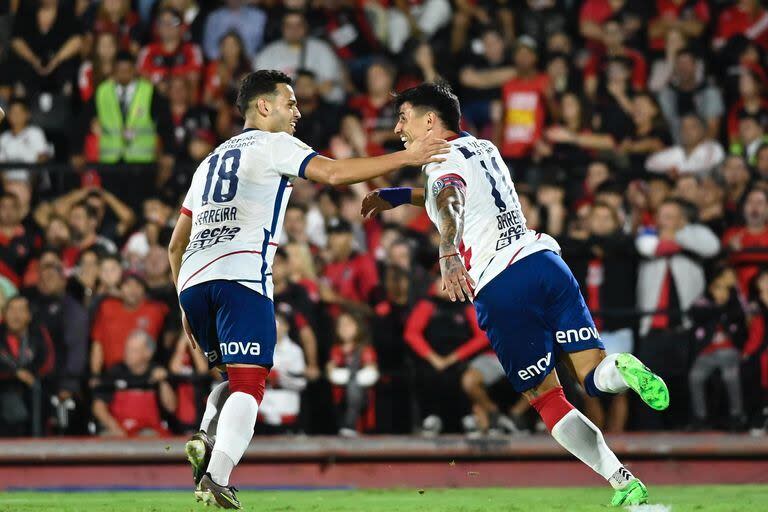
x=383, y=199
x=450, y=211
x=424, y=150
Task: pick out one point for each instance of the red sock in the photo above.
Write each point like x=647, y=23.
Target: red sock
x=248, y=379
x=552, y=406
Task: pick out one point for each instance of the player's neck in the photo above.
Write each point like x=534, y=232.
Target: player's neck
x=443, y=133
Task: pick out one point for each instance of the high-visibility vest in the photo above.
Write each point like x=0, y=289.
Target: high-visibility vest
x=134, y=140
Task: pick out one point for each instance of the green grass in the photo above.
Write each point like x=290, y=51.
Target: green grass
x=715, y=498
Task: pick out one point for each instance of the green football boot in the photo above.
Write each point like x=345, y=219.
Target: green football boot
x=634, y=493
x=643, y=381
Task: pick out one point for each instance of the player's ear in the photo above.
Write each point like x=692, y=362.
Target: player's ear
x=263, y=106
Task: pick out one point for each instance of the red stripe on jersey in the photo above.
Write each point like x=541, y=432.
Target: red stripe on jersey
x=214, y=261
x=186, y=211
x=274, y=243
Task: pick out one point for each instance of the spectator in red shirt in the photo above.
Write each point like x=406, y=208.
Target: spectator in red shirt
x=133, y=394
x=99, y=66
x=350, y=276
x=114, y=17
x=736, y=176
x=594, y=13
x=116, y=318
x=688, y=17
x=751, y=101
x=748, y=245
x=613, y=37
x=223, y=75
x=170, y=55
x=747, y=18
x=17, y=244
x=352, y=370
x=375, y=109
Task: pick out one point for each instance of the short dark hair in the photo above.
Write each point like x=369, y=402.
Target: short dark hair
x=433, y=96
x=19, y=100
x=263, y=81
x=125, y=56
x=306, y=72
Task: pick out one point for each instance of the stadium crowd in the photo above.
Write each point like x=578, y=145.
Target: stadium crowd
x=636, y=133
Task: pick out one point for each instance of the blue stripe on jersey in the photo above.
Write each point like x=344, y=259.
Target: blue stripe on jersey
x=467, y=153
x=304, y=163
x=273, y=227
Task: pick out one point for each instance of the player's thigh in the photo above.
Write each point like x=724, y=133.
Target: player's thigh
x=245, y=323
x=201, y=315
x=510, y=311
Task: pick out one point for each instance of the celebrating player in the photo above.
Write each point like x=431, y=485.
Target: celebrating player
x=221, y=253
x=526, y=298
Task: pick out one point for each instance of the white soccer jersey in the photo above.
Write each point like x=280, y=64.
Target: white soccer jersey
x=237, y=200
x=495, y=234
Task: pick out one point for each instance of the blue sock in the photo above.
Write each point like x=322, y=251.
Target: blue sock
x=591, y=388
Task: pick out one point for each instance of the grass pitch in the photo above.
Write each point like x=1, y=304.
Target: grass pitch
x=715, y=498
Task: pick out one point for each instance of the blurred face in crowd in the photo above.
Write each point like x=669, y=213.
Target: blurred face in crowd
x=571, y=108
x=756, y=209
x=340, y=244
x=156, y=263
x=613, y=35
x=379, y=79
x=399, y=255
x=617, y=72
x=281, y=324
x=735, y=172
x=52, y=281
x=670, y=217
x=96, y=201
x=294, y=28
x=295, y=224
x=280, y=270
x=22, y=189
x=306, y=89
x=687, y=188
x=114, y=7
x=139, y=350
x=644, y=110
x=761, y=164
x=613, y=199
x=721, y=286
x=493, y=46
x=300, y=261
x=9, y=211
x=347, y=329
x=557, y=70
x=57, y=233
x=685, y=67
x=559, y=42
x=80, y=223
x=711, y=193
x=658, y=191
x=597, y=173
x=691, y=131
x=178, y=91
x=132, y=291
x=231, y=49
x=525, y=58
x=17, y=315
x=110, y=273
x=169, y=28
x=156, y=211
x=18, y=117
x=748, y=86
x=88, y=267
x=602, y=221
x=749, y=130
x=124, y=72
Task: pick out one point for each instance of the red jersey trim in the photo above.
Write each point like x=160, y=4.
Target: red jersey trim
x=186, y=211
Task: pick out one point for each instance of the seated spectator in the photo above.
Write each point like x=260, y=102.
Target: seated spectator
x=46, y=40
x=348, y=27
x=110, y=277
x=375, y=109
x=614, y=106
x=761, y=162
x=594, y=14
x=649, y=136
x=539, y=19
x=282, y=402
x=352, y=370
x=130, y=118
x=23, y=143
x=116, y=18
x=134, y=395
x=424, y=18
x=296, y=50
x=17, y=244
x=116, y=318
x=222, y=76
x=613, y=39
x=443, y=335
x=247, y=21
x=26, y=356
x=690, y=18
x=303, y=269
x=750, y=137
x=320, y=120
x=711, y=204
x=689, y=93
x=562, y=74
x=746, y=17
x=736, y=177
x=663, y=66
x=604, y=262
x=751, y=101
x=170, y=55
x=719, y=327
x=66, y=321
x=696, y=154
x=99, y=66
x=188, y=119
x=747, y=246
x=755, y=353
x=482, y=77
x=83, y=224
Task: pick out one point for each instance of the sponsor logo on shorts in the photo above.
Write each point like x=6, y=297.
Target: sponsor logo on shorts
x=536, y=369
x=571, y=335
x=231, y=348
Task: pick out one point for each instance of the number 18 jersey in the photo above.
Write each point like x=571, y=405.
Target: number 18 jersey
x=495, y=231
x=237, y=200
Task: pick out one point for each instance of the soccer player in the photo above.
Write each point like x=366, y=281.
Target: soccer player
x=221, y=253
x=526, y=299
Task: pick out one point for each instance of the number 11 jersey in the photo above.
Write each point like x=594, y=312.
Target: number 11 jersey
x=237, y=200
x=495, y=231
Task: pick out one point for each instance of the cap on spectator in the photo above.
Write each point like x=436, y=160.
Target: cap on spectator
x=132, y=274
x=339, y=226
x=527, y=42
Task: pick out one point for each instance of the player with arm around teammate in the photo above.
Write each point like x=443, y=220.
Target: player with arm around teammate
x=526, y=299
x=221, y=253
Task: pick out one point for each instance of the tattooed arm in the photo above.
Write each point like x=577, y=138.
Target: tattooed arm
x=450, y=223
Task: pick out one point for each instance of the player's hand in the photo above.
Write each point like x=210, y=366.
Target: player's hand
x=373, y=204
x=427, y=149
x=456, y=280
x=188, y=330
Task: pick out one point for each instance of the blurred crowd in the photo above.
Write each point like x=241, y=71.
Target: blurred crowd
x=636, y=133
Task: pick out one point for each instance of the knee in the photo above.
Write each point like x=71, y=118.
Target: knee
x=471, y=380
